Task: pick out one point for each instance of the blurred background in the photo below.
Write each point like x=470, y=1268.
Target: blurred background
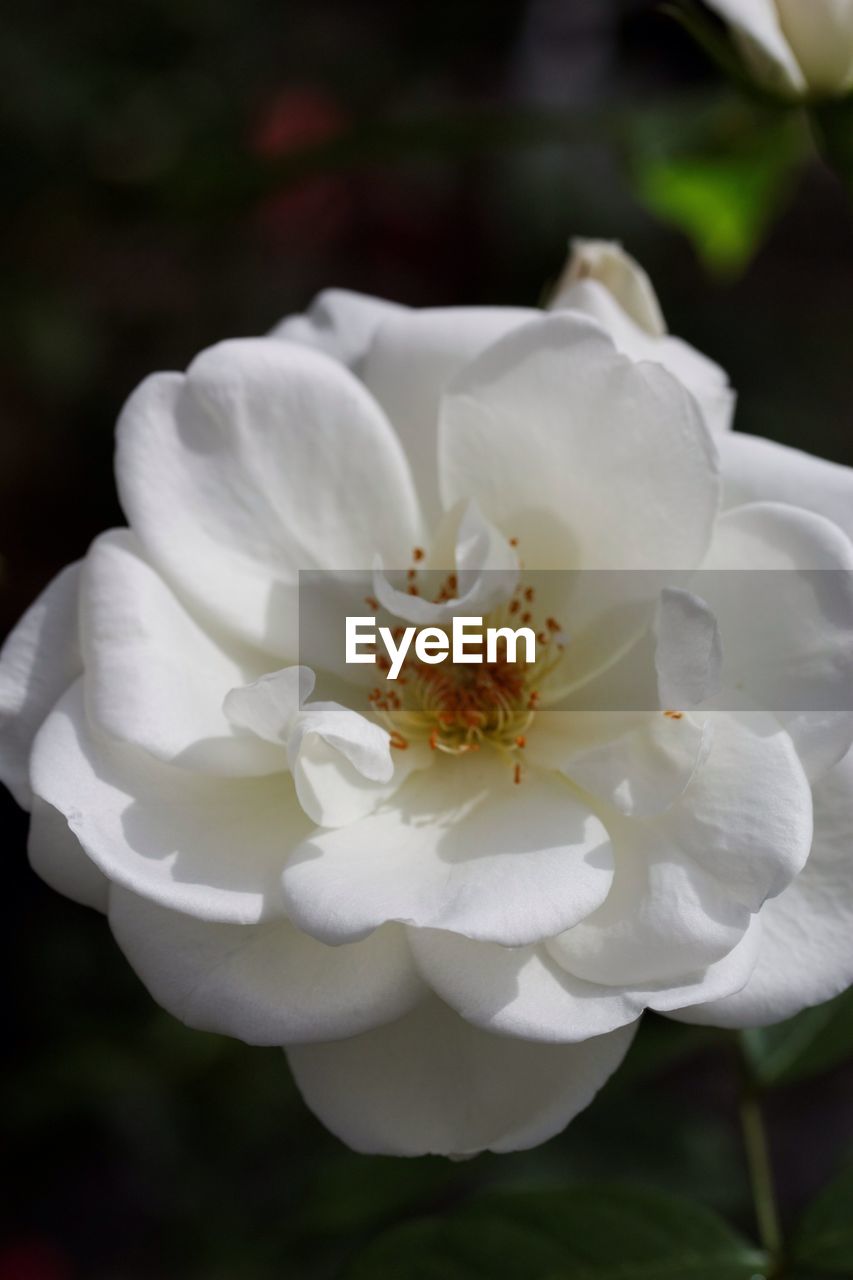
x=179, y=171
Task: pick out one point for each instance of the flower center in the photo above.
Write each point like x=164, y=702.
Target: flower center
x=457, y=709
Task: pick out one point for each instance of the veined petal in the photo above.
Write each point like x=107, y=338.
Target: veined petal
x=430, y=1083
x=212, y=847
x=39, y=660
x=266, y=458
x=461, y=848
x=264, y=983
x=605, y=263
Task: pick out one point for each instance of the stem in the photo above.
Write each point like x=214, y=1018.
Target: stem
x=760, y=1172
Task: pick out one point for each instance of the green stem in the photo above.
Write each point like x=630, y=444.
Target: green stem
x=760, y=1172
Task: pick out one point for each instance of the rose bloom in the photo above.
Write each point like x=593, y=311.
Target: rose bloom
x=799, y=48
x=451, y=900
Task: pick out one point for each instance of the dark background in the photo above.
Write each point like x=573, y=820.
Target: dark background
x=178, y=171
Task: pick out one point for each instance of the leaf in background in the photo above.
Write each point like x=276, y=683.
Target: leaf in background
x=724, y=186
x=579, y=1233
x=812, y=1042
x=823, y=1241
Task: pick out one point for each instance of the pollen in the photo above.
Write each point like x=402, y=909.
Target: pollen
x=461, y=709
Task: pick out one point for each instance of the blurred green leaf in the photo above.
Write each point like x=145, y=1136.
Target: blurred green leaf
x=724, y=185
x=814, y=1041
x=824, y=1239
x=580, y=1233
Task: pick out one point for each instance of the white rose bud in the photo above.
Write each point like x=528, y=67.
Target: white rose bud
x=602, y=281
x=799, y=48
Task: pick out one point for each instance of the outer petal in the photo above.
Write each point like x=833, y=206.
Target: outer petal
x=759, y=34
x=411, y=360
x=154, y=677
x=806, y=955
x=430, y=1083
x=264, y=983
x=212, y=847
x=799, y=568
x=266, y=458
x=38, y=662
x=706, y=381
x=756, y=470
x=339, y=323
x=523, y=991
x=461, y=848
x=56, y=855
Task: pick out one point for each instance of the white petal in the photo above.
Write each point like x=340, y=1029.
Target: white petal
x=430, y=1083
x=556, y=435
x=689, y=651
x=411, y=360
x=342, y=763
x=756, y=470
x=523, y=991
x=640, y=762
x=266, y=458
x=746, y=817
x=787, y=622
x=592, y=462
x=665, y=917
x=460, y=847
x=704, y=379
x=339, y=323
x=55, y=854
x=39, y=660
x=820, y=32
x=487, y=574
x=154, y=677
x=607, y=263
x=806, y=955
x=759, y=35
x=213, y=847
x=264, y=983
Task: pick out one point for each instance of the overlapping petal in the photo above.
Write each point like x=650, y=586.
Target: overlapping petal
x=264, y=459
x=210, y=846
x=264, y=983
x=461, y=848
x=806, y=955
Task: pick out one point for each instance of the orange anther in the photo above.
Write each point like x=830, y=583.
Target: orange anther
x=418, y=554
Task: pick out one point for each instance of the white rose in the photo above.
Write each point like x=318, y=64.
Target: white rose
x=453, y=945
x=798, y=48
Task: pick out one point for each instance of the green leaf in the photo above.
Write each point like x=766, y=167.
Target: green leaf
x=579, y=1233
x=724, y=185
x=814, y=1041
x=823, y=1241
